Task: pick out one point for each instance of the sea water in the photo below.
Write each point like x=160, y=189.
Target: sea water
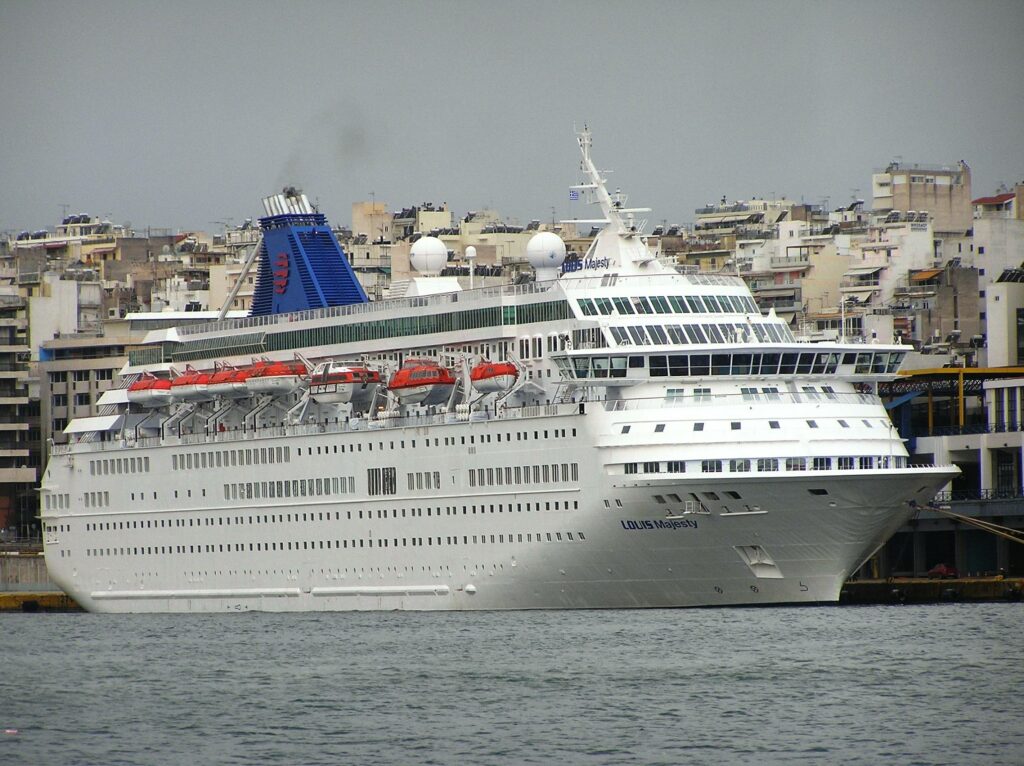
x=940, y=684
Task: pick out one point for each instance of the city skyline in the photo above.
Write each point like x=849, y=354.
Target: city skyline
x=185, y=116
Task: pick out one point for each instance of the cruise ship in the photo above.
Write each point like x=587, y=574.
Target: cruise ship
x=612, y=434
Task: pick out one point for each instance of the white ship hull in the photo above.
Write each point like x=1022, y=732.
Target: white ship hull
x=624, y=553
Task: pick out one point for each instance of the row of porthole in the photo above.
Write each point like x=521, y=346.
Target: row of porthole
x=451, y=540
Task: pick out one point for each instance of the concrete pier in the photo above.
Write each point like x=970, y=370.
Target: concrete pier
x=25, y=585
x=922, y=590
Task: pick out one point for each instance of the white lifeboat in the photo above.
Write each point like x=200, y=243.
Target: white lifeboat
x=422, y=381
x=229, y=383
x=191, y=386
x=493, y=377
x=334, y=382
x=150, y=391
x=276, y=378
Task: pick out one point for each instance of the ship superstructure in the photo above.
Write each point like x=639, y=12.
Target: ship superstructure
x=613, y=434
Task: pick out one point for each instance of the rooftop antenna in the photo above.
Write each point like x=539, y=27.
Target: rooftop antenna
x=471, y=257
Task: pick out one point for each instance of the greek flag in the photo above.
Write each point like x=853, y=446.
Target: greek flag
x=574, y=194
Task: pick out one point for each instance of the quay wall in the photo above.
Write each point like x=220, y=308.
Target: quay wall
x=24, y=571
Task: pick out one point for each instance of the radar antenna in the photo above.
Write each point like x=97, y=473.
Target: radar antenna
x=612, y=206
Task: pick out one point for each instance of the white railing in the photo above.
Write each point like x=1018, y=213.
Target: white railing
x=731, y=400
x=348, y=425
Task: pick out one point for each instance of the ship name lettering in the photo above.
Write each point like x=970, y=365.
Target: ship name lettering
x=645, y=524
x=587, y=263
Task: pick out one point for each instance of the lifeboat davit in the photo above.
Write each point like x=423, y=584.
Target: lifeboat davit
x=276, y=378
x=150, y=391
x=229, y=383
x=422, y=381
x=191, y=386
x=340, y=383
x=493, y=377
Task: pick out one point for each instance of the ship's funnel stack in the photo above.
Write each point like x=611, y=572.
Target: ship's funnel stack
x=302, y=265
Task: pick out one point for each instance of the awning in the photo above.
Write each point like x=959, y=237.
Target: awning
x=862, y=270
x=106, y=423
x=861, y=296
x=98, y=423
x=776, y=292
x=924, y=276
x=113, y=396
x=730, y=218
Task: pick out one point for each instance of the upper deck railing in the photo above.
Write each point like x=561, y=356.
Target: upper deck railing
x=502, y=414
x=445, y=299
x=773, y=398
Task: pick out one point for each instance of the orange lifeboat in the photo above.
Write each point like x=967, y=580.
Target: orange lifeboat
x=422, y=381
x=493, y=377
x=191, y=386
x=334, y=382
x=229, y=383
x=276, y=378
x=150, y=391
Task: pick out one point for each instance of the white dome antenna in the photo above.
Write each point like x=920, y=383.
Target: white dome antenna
x=428, y=256
x=546, y=253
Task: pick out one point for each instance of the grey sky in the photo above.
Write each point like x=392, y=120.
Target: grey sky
x=180, y=114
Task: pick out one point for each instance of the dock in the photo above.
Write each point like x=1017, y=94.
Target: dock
x=25, y=601
x=926, y=590
x=25, y=585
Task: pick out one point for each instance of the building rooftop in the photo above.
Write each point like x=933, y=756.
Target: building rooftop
x=997, y=199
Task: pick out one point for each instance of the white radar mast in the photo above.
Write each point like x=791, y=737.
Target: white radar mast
x=624, y=247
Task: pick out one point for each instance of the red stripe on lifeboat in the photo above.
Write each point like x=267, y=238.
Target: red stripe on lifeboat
x=276, y=377
x=420, y=373
x=191, y=386
x=150, y=391
x=492, y=377
x=487, y=370
x=229, y=383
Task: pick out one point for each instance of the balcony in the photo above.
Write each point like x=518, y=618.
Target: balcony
x=781, y=307
x=790, y=262
x=17, y=475
x=858, y=284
